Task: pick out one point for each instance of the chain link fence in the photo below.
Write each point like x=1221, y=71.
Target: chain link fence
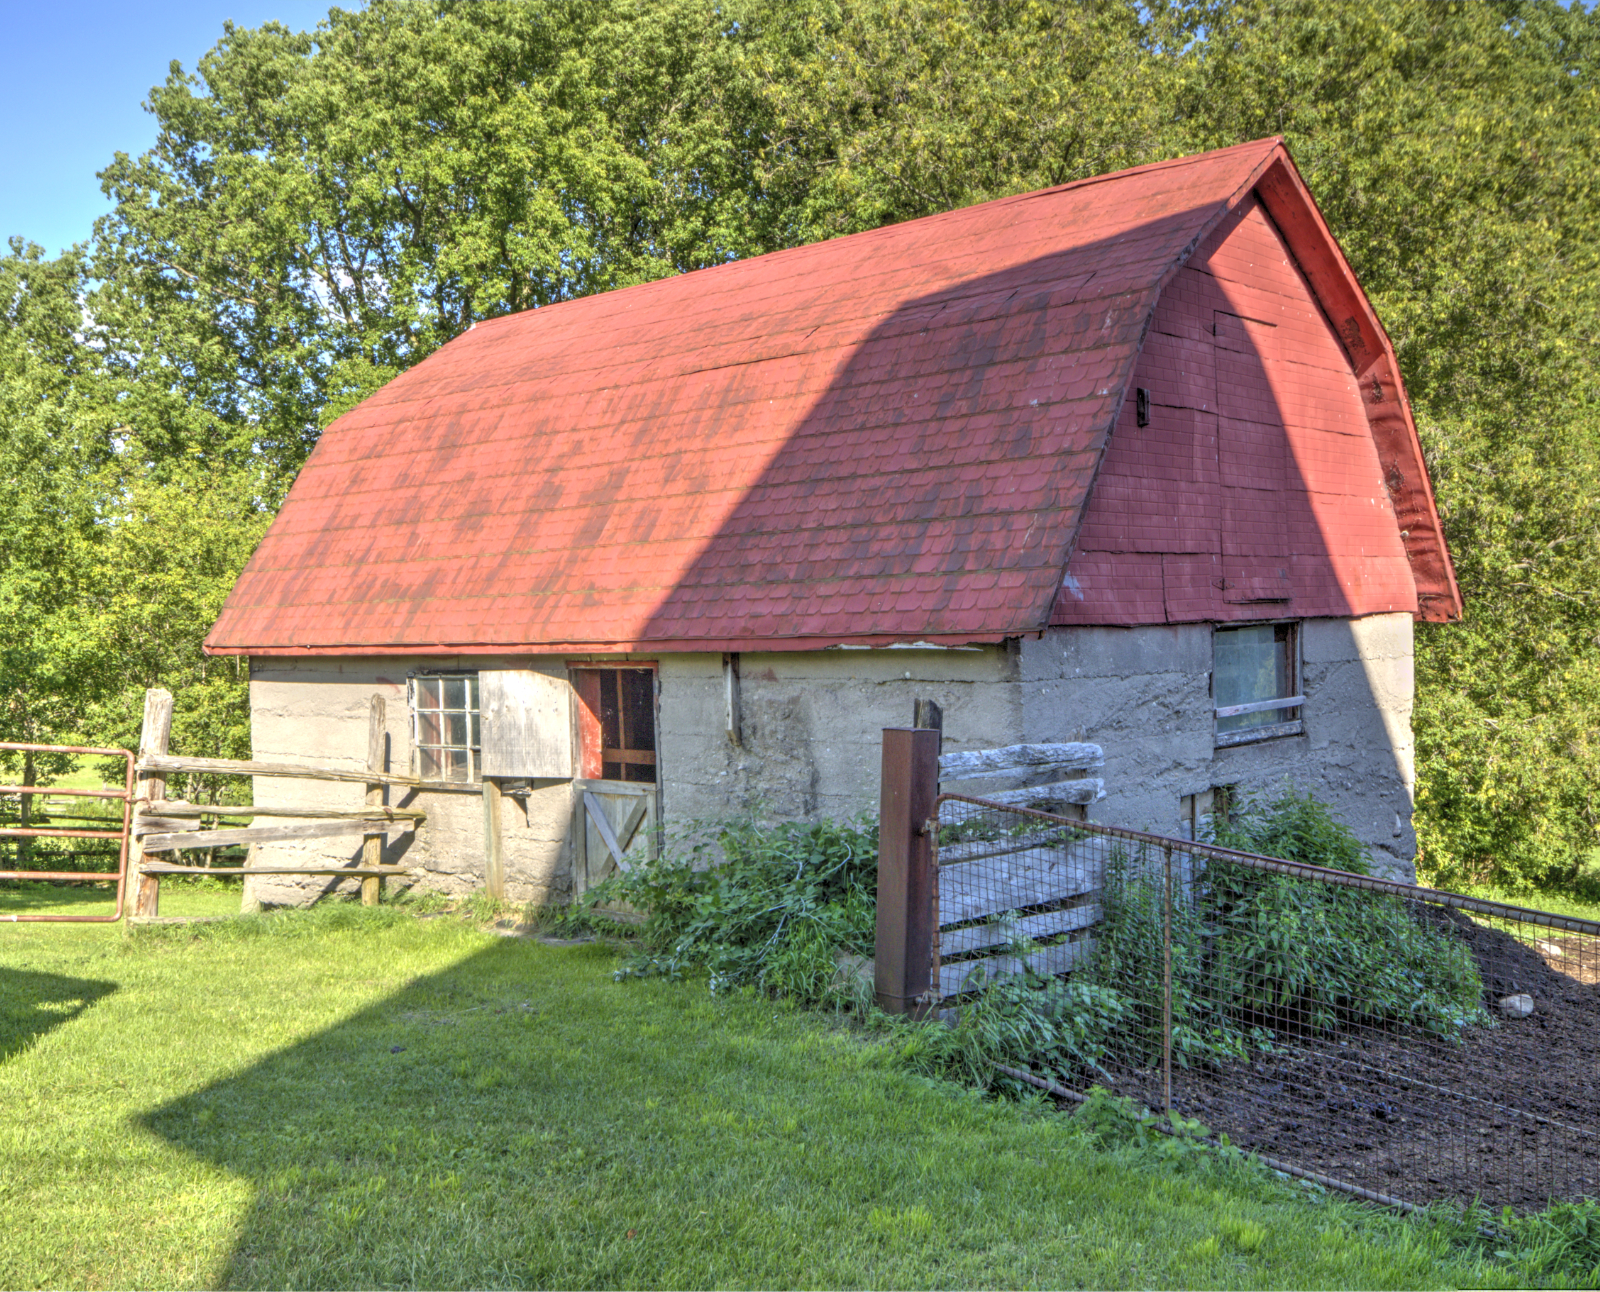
x=1408, y=1043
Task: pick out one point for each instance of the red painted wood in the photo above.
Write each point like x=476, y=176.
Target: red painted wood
x=1283, y=510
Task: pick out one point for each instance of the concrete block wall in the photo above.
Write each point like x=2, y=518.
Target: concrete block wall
x=812, y=725
x=810, y=733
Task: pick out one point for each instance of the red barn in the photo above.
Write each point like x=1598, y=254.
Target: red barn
x=1127, y=460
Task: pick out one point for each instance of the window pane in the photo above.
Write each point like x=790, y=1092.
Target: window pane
x=455, y=692
x=477, y=740
x=427, y=728
x=427, y=693
x=455, y=765
x=472, y=691
x=1251, y=664
x=610, y=713
x=427, y=764
x=455, y=730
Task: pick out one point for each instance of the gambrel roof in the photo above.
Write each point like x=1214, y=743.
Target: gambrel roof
x=888, y=437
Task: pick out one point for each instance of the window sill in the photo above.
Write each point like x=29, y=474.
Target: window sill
x=1253, y=735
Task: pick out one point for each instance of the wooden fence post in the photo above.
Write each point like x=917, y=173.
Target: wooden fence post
x=152, y=787
x=494, y=864
x=372, y=845
x=903, y=961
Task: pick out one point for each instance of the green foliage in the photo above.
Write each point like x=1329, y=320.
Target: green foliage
x=1257, y=955
x=1059, y=1027
x=1291, y=827
x=1128, y=959
x=768, y=907
x=1562, y=1240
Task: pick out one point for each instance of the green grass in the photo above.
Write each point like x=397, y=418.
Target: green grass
x=1555, y=903
x=350, y=1097
x=178, y=897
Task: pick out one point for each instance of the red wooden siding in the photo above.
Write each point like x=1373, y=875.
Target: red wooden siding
x=1256, y=491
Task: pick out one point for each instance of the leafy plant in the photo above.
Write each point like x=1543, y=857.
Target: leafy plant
x=1061, y=1028
x=1257, y=955
x=770, y=907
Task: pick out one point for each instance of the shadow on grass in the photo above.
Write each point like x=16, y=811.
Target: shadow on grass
x=368, y=1141
x=31, y=1004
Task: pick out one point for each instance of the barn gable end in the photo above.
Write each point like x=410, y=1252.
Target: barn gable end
x=1255, y=489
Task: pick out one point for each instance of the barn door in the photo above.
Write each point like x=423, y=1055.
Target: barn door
x=615, y=800
x=614, y=827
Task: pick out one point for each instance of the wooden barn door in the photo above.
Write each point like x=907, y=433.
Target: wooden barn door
x=616, y=798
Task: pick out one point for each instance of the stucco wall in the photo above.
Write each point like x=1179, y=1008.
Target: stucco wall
x=811, y=727
x=316, y=710
x=1144, y=695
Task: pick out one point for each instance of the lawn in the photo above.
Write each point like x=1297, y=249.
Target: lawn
x=352, y=1097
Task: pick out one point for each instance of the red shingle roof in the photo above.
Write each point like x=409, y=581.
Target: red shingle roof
x=885, y=437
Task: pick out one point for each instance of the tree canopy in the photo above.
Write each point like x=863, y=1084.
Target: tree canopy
x=322, y=209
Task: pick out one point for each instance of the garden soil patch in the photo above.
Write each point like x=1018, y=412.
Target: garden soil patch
x=1507, y=1116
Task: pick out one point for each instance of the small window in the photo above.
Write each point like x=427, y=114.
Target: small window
x=444, y=727
x=1254, y=683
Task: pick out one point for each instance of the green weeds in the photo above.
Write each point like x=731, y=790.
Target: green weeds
x=775, y=912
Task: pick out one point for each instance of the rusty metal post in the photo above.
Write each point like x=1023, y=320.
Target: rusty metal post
x=902, y=964
x=1166, y=980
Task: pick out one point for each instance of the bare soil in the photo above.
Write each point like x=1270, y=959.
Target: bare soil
x=1510, y=1115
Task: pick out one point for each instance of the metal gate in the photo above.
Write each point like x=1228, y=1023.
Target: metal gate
x=611, y=820
x=125, y=794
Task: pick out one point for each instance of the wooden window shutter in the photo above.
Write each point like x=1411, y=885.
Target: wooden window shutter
x=526, y=723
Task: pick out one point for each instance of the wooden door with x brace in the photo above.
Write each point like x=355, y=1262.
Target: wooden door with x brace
x=616, y=803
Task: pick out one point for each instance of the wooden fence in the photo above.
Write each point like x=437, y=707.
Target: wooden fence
x=935, y=903
x=163, y=825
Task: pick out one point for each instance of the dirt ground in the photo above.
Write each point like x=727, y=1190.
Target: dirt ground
x=1511, y=1115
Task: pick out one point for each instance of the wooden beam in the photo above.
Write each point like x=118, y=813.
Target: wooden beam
x=970, y=975
x=1013, y=759
x=372, y=845
x=249, y=767
x=1086, y=790
x=154, y=734
x=979, y=937
x=494, y=861
x=973, y=890
x=1260, y=706
x=265, y=834
x=383, y=812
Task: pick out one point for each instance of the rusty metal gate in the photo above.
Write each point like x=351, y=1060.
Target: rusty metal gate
x=23, y=792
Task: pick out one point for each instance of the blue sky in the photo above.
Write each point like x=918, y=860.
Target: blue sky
x=73, y=74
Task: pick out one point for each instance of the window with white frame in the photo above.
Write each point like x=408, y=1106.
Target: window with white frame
x=1255, y=679
x=444, y=727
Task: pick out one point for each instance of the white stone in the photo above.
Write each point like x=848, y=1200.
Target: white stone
x=1516, y=1006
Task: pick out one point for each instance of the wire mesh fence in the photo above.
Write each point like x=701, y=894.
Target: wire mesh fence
x=1412, y=1043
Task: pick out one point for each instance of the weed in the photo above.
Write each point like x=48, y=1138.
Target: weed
x=774, y=911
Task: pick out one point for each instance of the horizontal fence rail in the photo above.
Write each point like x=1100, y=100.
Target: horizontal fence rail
x=32, y=793
x=1401, y=1042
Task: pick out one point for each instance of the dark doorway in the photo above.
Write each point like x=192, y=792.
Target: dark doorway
x=618, y=723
